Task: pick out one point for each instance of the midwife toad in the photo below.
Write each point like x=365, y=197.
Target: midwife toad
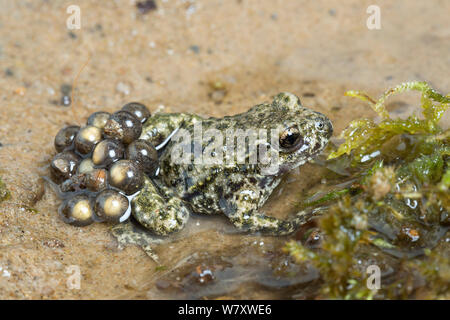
x=236, y=189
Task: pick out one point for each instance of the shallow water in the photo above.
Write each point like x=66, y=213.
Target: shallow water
x=172, y=59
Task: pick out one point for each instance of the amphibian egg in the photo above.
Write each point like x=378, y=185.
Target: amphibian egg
x=98, y=119
x=107, y=152
x=138, y=110
x=77, y=211
x=96, y=179
x=126, y=176
x=64, y=165
x=64, y=138
x=87, y=138
x=111, y=205
x=123, y=126
x=85, y=166
x=145, y=154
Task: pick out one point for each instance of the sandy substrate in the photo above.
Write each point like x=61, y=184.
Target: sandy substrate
x=173, y=59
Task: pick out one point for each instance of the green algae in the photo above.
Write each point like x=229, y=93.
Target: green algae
x=364, y=137
x=4, y=193
x=161, y=268
x=395, y=204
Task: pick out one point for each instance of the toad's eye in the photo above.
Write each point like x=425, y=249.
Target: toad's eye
x=291, y=138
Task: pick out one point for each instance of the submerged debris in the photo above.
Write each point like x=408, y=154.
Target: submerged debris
x=66, y=90
x=396, y=204
x=146, y=6
x=217, y=91
x=4, y=193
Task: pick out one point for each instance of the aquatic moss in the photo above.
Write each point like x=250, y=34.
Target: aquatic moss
x=345, y=231
x=445, y=182
x=436, y=272
x=396, y=202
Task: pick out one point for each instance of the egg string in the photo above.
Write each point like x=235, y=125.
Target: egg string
x=74, y=83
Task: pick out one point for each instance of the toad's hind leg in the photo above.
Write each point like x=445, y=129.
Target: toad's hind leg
x=159, y=210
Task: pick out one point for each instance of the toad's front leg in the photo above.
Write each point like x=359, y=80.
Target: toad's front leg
x=254, y=221
x=244, y=214
x=161, y=215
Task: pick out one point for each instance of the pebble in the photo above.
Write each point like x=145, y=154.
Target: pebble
x=123, y=88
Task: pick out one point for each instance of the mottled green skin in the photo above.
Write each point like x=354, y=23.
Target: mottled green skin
x=235, y=190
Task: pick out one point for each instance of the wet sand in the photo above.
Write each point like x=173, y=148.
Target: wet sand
x=173, y=59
